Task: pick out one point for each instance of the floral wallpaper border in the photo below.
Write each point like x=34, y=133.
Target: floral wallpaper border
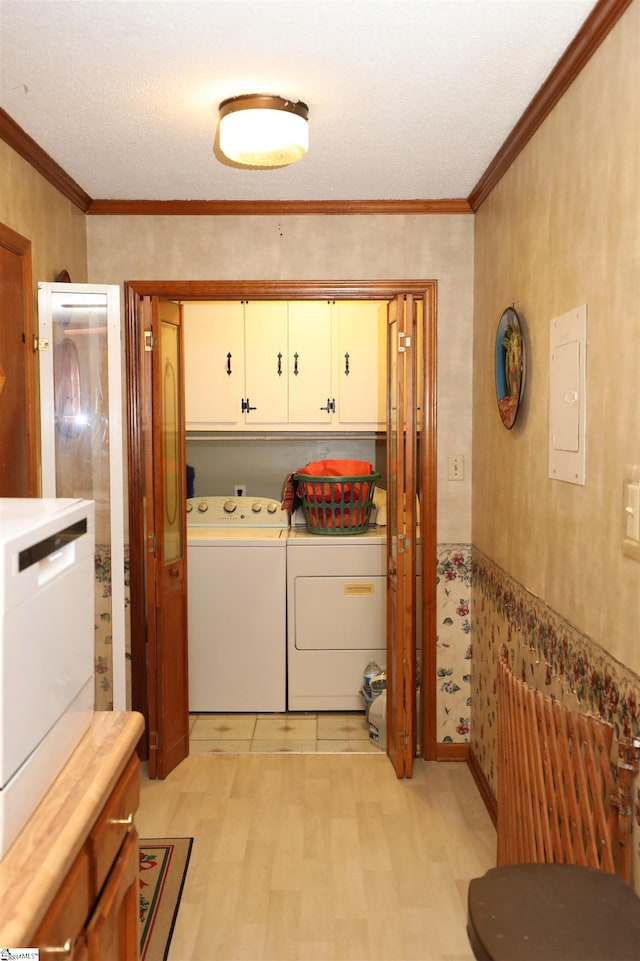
x=103, y=643
x=551, y=655
x=453, y=643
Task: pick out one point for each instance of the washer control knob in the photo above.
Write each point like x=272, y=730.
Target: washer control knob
x=189, y=507
x=272, y=507
x=256, y=507
x=229, y=507
x=203, y=507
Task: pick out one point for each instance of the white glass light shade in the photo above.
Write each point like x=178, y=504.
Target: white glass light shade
x=260, y=130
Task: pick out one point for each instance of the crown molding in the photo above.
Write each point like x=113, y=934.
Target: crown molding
x=280, y=208
x=28, y=149
x=593, y=31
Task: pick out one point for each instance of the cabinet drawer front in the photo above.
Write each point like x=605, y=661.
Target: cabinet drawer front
x=113, y=824
x=65, y=920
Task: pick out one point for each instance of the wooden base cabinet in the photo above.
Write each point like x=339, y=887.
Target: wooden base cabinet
x=112, y=933
x=95, y=913
x=69, y=884
x=61, y=934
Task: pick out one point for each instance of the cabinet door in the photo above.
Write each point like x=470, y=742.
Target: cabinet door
x=361, y=364
x=61, y=931
x=112, y=932
x=114, y=823
x=311, y=398
x=266, y=372
x=214, y=364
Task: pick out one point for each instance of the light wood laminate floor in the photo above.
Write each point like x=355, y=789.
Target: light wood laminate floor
x=320, y=857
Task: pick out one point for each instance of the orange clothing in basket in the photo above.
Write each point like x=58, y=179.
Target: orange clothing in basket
x=325, y=494
x=322, y=468
x=338, y=493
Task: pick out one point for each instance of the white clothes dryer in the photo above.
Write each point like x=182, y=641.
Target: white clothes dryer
x=236, y=604
x=336, y=617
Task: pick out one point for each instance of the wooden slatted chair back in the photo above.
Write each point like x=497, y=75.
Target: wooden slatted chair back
x=556, y=785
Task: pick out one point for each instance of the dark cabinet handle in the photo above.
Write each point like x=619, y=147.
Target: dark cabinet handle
x=228, y=365
x=279, y=365
x=295, y=364
x=331, y=406
x=246, y=406
x=346, y=364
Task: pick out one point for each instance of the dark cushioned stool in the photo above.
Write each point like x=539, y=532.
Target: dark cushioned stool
x=553, y=912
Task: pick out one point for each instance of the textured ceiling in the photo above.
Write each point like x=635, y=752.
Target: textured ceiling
x=408, y=99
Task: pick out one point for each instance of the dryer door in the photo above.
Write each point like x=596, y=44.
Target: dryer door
x=340, y=613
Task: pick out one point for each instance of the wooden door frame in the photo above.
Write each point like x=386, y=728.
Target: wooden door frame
x=16, y=244
x=186, y=290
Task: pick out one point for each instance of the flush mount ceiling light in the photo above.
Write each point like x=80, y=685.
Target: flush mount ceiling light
x=262, y=130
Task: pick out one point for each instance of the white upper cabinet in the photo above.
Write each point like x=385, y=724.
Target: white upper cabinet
x=311, y=399
x=274, y=365
x=287, y=364
x=360, y=370
x=266, y=390
x=214, y=365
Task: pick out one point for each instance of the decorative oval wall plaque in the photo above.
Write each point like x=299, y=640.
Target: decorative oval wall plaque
x=509, y=366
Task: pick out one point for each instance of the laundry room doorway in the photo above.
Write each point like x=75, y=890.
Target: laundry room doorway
x=415, y=656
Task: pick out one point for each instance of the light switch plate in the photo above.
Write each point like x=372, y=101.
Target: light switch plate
x=455, y=467
x=631, y=512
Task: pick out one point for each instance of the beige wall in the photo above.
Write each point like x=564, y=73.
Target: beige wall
x=56, y=227
x=37, y=211
x=324, y=248
x=563, y=229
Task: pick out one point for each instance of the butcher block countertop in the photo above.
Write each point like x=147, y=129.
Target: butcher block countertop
x=34, y=867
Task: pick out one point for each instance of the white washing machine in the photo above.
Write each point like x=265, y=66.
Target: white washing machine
x=236, y=593
x=336, y=616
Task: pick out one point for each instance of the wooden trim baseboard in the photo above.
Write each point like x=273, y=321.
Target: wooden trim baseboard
x=276, y=208
x=483, y=786
x=452, y=752
x=28, y=149
x=594, y=30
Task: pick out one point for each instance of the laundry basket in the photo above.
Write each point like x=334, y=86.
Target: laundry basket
x=336, y=505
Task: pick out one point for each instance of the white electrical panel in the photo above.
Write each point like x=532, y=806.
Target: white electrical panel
x=568, y=396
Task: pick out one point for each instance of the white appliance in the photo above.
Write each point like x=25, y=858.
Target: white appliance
x=336, y=616
x=46, y=647
x=236, y=591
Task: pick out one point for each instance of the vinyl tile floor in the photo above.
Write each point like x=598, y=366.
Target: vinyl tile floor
x=290, y=733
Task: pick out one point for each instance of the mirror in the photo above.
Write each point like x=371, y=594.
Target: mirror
x=509, y=366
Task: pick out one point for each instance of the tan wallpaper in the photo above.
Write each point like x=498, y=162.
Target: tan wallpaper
x=324, y=248
x=563, y=229
x=37, y=211
x=56, y=227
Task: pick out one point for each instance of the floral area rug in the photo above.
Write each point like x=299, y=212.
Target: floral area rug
x=163, y=869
